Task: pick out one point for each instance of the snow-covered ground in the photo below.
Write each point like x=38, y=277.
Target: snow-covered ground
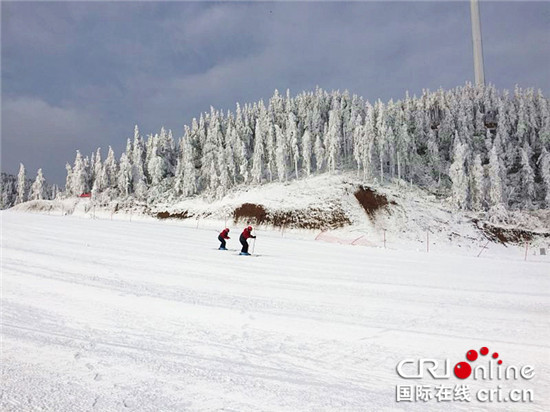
x=116, y=315
x=414, y=217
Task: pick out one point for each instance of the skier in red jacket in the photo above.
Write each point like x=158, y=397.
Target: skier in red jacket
x=222, y=236
x=243, y=239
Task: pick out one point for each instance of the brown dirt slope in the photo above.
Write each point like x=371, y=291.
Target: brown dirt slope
x=331, y=217
x=371, y=201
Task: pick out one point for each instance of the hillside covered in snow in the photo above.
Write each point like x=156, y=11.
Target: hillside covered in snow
x=486, y=149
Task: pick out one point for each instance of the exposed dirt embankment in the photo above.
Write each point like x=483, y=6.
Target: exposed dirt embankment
x=508, y=235
x=372, y=201
x=331, y=217
x=168, y=215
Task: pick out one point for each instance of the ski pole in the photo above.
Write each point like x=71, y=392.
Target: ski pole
x=253, y=245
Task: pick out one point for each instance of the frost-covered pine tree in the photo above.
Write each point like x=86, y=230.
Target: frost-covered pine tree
x=38, y=188
x=319, y=153
x=359, y=146
x=129, y=154
x=80, y=175
x=495, y=183
x=110, y=171
x=281, y=154
x=477, y=185
x=307, y=152
x=178, y=173
x=402, y=148
x=98, y=178
x=458, y=178
x=69, y=180
x=271, y=151
x=545, y=174
x=369, y=134
x=527, y=179
x=165, y=150
x=98, y=165
x=522, y=127
x=258, y=155
x=156, y=167
x=21, y=185
x=139, y=182
x=124, y=179
x=209, y=176
x=381, y=131
x=231, y=151
x=54, y=192
x=333, y=139
x=189, y=171
x=433, y=156
x=240, y=142
x=390, y=149
x=292, y=141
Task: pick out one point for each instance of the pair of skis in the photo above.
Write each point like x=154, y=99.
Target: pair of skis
x=243, y=253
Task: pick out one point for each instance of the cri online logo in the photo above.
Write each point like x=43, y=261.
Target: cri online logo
x=493, y=369
x=463, y=369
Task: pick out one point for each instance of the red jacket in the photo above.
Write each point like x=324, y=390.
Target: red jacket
x=224, y=234
x=246, y=234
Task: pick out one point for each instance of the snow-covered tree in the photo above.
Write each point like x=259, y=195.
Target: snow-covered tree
x=527, y=178
x=69, y=180
x=110, y=171
x=21, y=185
x=381, y=132
x=80, y=175
x=54, y=191
x=157, y=167
x=458, y=177
x=319, y=153
x=271, y=151
x=258, y=155
x=209, y=172
x=477, y=184
x=333, y=139
x=139, y=180
x=281, y=154
x=124, y=179
x=189, y=173
x=307, y=152
x=402, y=149
x=495, y=183
x=38, y=188
x=292, y=141
x=545, y=174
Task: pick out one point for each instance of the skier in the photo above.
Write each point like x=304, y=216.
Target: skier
x=243, y=239
x=222, y=236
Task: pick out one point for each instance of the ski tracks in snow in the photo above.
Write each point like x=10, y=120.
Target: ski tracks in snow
x=110, y=315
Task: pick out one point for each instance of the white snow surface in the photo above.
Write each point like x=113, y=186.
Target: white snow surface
x=113, y=315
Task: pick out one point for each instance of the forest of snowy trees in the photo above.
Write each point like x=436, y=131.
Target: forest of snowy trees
x=19, y=189
x=482, y=147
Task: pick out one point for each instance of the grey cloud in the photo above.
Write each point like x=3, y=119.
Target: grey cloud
x=43, y=135
x=112, y=65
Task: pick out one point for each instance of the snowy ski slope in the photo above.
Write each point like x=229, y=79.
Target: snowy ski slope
x=116, y=315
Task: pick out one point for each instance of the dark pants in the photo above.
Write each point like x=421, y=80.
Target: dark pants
x=244, y=243
x=221, y=239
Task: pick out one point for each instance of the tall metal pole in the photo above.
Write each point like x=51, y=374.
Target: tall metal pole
x=476, y=40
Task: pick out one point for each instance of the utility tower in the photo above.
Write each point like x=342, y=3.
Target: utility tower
x=476, y=40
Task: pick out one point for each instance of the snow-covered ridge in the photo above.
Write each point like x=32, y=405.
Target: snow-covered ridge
x=325, y=208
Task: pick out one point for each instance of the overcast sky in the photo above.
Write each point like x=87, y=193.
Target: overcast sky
x=80, y=75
